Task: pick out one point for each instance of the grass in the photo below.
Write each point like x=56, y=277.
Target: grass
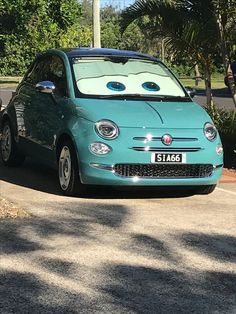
x=217, y=82
x=9, y=81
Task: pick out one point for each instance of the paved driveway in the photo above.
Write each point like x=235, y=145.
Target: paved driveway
x=116, y=252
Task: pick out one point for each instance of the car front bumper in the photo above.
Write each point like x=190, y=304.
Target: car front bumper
x=133, y=148
x=104, y=174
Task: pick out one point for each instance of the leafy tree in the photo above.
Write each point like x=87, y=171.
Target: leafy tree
x=110, y=27
x=87, y=13
x=135, y=37
x=30, y=26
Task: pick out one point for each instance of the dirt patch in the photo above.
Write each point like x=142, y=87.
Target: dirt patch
x=10, y=210
x=229, y=176
x=230, y=172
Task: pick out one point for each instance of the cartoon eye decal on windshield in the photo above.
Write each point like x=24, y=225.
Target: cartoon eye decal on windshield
x=116, y=86
x=151, y=86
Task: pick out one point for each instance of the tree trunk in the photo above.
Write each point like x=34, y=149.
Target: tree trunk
x=208, y=85
x=163, y=50
x=232, y=86
x=197, y=74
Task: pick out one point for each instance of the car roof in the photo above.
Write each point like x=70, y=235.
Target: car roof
x=100, y=52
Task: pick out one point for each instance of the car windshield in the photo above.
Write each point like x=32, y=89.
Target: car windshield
x=114, y=76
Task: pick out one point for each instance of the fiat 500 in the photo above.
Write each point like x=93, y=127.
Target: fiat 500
x=110, y=117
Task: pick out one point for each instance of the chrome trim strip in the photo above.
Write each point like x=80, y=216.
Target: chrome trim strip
x=218, y=166
x=102, y=166
x=158, y=138
x=161, y=149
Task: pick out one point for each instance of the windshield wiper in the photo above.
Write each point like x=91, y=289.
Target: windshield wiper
x=146, y=97
x=175, y=98
x=130, y=97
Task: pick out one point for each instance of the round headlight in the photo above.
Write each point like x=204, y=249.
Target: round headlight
x=107, y=129
x=210, y=131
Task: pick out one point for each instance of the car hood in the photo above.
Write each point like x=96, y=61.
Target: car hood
x=149, y=114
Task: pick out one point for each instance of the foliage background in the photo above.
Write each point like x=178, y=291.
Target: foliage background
x=30, y=26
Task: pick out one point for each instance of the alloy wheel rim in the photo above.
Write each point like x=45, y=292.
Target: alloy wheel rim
x=6, y=143
x=65, y=168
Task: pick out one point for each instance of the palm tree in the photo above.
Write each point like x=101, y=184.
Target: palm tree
x=189, y=28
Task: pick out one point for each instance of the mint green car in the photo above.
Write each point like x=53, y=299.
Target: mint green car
x=110, y=117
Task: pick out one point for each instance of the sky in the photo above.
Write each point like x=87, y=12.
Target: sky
x=121, y=4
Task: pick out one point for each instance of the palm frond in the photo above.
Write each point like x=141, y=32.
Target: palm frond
x=144, y=7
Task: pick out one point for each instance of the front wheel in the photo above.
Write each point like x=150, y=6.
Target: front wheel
x=9, y=151
x=68, y=171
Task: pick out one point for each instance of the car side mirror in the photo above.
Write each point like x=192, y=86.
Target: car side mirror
x=0, y=104
x=191, y=91
x=46, y=87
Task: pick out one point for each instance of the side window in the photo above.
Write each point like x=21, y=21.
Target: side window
x=57, y=74
x=49, y=68
x=37, y=72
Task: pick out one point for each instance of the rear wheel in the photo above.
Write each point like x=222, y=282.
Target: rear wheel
x=9, y=151
x=68, y=171
x=207, y=189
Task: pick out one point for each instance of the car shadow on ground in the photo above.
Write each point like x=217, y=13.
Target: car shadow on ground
x=42, y=178
x=31, y=175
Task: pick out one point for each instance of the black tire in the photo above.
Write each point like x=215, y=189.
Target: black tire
x=9, y=152
x=68, y=171
x=207, y=189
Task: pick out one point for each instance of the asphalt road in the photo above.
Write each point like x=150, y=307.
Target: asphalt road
x=221, y=97
x=116, y=251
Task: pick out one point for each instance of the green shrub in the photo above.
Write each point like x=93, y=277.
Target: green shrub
x=225, y=121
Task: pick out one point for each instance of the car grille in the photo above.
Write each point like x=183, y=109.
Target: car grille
x=164, y=170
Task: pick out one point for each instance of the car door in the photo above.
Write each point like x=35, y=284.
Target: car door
x=23, y=104
x=43, y=113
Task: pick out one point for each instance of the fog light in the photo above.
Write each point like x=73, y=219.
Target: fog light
x=219, y=149
x=99, y=148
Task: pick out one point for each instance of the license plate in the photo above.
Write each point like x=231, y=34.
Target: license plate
x=168, y=158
